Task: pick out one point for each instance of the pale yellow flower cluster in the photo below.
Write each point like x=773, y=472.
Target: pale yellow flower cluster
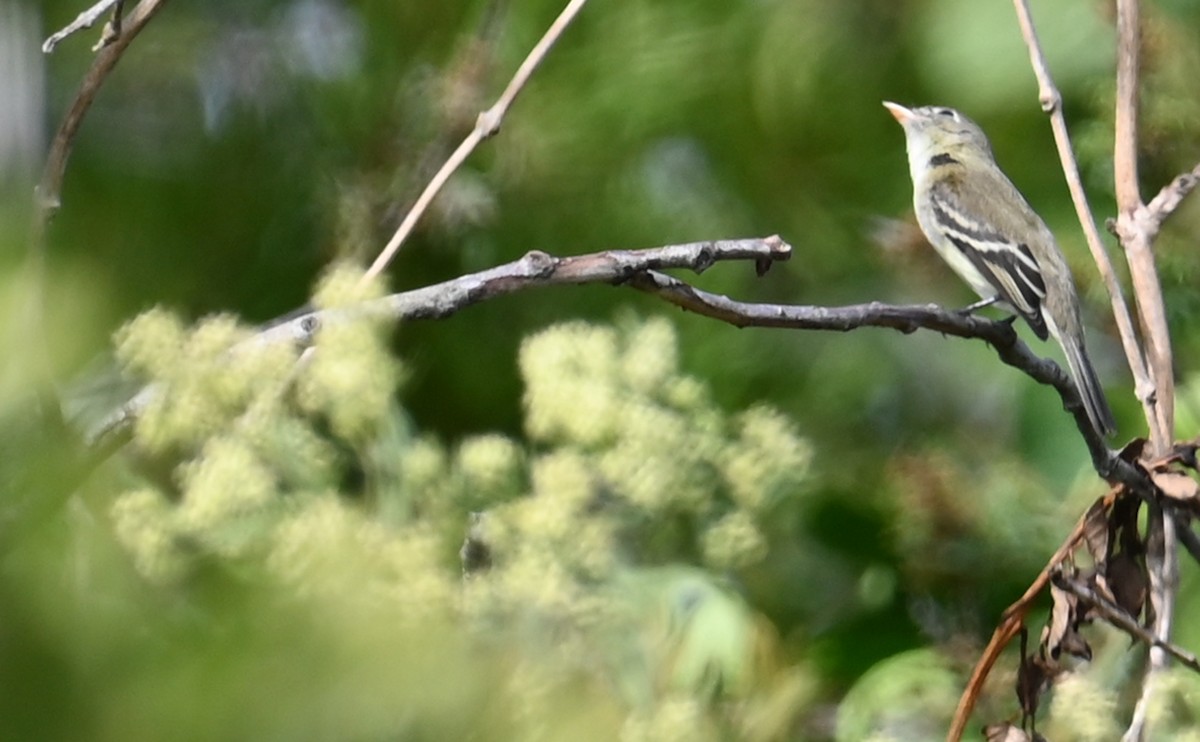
x=336, y=553
x=591, y=532
x=677, y=719
x=240, y=419
x=636, y=467
x=203, y=384
x=651, y=438
x=351, y=375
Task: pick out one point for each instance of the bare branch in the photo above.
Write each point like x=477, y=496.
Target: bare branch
x=1051, y=101
x=1136, y=229
x=638, y=268
x=533, y=270
x=486, y=126
x=1000, y=335
x=1125, y=170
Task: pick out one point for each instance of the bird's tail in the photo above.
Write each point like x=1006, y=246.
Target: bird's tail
x=1088, y=384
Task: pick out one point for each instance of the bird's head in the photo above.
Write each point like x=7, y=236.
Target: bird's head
x=934, y=130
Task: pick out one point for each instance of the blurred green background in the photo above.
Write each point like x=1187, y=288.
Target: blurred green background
x=242, y=147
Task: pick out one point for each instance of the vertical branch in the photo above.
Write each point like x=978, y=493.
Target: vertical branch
x=1137, y=229
x=1051, y=101
x=1162, y=565
x=1125, y=139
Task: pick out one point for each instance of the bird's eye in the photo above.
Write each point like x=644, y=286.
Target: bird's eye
x=948, y=112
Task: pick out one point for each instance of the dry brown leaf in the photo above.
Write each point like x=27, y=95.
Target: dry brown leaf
x=1061, y=632
x=1186, y=454
x=1057, y=625
x=1033, y=680
x=1095, y=532
x=1129, y=583
x=1133, y=450
x=1177, y=485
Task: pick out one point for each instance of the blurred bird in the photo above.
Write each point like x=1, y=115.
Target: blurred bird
x=986, y=231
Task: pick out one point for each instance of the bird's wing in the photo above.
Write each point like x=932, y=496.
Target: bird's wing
x=997, y=247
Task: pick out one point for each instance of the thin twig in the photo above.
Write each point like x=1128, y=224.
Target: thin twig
x=84, y=20
x=1187, y=537
x=1051, y=101
x=486, y=125
x=1169, y=198
x=1118, y=617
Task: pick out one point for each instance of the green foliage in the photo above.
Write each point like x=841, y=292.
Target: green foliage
x=1175, y=713
x=1083, y=710
x=908, y=697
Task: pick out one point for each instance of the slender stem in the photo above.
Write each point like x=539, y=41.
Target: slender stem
x=1051, y=101
x=1135, y=227
x=1116, y=616
x=1125, y=164
x=50, y=188
x=486, y=126
x=47, y=195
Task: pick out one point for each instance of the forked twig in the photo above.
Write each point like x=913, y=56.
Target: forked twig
x=84, y=20
x=1169, y=198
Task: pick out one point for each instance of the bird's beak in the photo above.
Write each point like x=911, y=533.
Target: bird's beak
x=899, y=112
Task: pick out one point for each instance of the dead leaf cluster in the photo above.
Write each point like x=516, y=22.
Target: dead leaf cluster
x=1100, y=573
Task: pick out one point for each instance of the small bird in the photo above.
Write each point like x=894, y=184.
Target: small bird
x=987, y=232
